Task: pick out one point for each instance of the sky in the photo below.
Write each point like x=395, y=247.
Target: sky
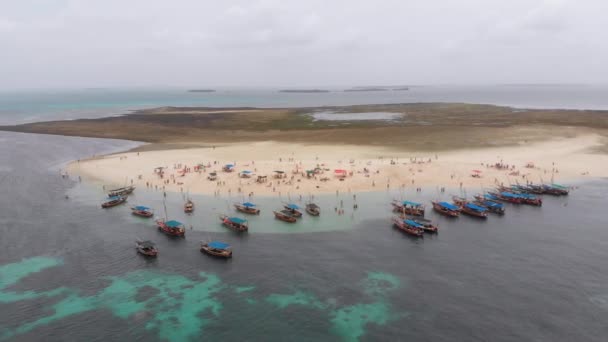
x=283, y=43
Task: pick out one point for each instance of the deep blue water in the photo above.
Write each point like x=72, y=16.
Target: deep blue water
x=68, y=269
x=40, y=105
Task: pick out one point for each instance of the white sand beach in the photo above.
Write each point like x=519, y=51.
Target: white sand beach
x=367, y=168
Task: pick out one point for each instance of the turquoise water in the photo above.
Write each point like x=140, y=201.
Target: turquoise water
x=40, y=105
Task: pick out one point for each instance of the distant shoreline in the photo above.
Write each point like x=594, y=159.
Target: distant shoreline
x=304, y=91
x=201, y=91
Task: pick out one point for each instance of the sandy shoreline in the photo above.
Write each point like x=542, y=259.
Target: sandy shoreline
x=368, y=168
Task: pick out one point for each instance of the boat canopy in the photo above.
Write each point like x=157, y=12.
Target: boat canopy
x=413, y=223
x=493, y=204
x=413, y=204
x=475, y=207
x=278, y=171
x=218, y=245
x=511, y=195
x=237, y=220
x=448, y=205
x=559, y=186
x=292, y=206
x=490, y=197
x=248, y=205
x=245, y=172
x=114, y=198
x=229, y=165
x=527, y=196
x=147, y=244
x=339, y=171
x=141, y=207
x=173, y=224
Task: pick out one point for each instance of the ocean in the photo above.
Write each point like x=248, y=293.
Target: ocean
x=43, y=105
x=69, y=270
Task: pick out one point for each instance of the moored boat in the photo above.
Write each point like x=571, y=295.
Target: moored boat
x=293, y=209
x=147, y=248
x=247, y=208
x=114, y=201
x=474, y=210
x=447, y=209
x=235, y=223
x=531, y=199
x=285, y=215
x=493, y=207
x=216, y=248
x=313, y=209
x=427, y=225
x=121, y=191
x=409, y=226
x=408, y=208
x=142, y=211
x=507, y=197
x=189, y=207
x=556, y=189
x=172, y=228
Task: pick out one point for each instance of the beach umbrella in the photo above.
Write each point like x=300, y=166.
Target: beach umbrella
x=477, y=171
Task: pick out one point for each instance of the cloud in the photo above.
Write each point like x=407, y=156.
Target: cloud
x=282, y=42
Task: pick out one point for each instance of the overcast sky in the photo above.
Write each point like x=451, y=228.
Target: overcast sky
x=77, y=43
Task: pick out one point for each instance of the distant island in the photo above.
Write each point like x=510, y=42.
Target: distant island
x=382, y=88
x=303, y=91
x=366, y=89
x=201, y=91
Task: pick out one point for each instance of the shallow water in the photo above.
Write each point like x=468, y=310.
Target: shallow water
x=68, y=269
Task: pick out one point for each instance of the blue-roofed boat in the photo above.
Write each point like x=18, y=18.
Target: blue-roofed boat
x=447, y=209
x=507, y=197
x=143, y=211
x=427, y=225
x=293, y=209
x=171, y=228
x=531, y=199
x=247, y=208
x=114, y=201
x=228, y=168
x=235, y=223
x=492, y=206
x=216, y=248
x=474, y=210
x=408, y=226
x=408, y=208
x=556, y=189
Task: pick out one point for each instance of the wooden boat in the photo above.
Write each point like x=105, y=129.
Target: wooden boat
x=447, y=209
x=171, y=228
x=142, y=211
x=408, y=208
x=147, y=248
x=556, y=190
x=114, y=201
x=189, y=207
x=459, y=201
x=234, y=223
x=474, y=210
x=492, y=206
x=408, y=226
x=216, y=248
x=507, y=197
x=531, y=199
x=121, y=191
x=293, y=209
x=426, y=224
x=313, y=209
x=247, y=208
x=285, y=215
